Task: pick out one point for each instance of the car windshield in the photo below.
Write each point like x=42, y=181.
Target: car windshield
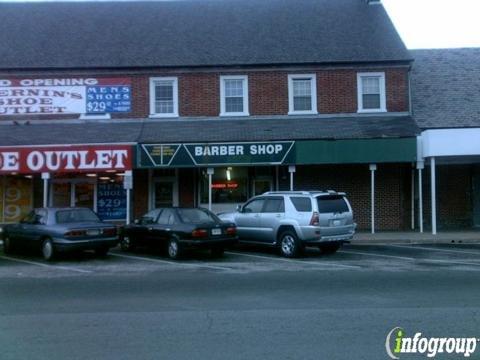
x=76, y=216
x=196, y=216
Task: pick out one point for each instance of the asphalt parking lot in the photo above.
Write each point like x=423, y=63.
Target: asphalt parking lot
x=249, y=259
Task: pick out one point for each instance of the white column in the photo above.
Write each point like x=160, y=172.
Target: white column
x=413, y=199
x=210, y=172
x=420, y=166
x=434, y=195
x=373, y=168
x=128, y=186
x=291, y=170
x=45, y=178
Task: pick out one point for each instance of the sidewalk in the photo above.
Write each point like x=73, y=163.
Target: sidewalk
x=444, y=237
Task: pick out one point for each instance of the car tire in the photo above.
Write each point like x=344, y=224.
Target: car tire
x=289, y=244
x=217, y=252
x=48, y=251
x=173, y=249
x=102, y=252
x=126, y=243
x=8, y=247
x=330, y=248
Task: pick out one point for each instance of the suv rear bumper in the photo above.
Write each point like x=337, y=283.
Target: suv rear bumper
x=315, y=234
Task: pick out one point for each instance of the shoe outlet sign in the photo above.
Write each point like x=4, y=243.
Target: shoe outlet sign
x=216, y=154
x=61, y=159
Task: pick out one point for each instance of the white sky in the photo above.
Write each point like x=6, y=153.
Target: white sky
x=436, y=23
x=431, y=23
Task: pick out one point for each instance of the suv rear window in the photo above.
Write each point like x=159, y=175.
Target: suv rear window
x=331, y=204
x=302, y=204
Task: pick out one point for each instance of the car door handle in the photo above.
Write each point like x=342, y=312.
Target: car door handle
x=257, y=215
x=278, y=215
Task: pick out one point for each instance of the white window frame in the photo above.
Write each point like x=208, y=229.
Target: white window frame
x=153, y=114
x=313, y=79
x=383, y=98
x=245, y=111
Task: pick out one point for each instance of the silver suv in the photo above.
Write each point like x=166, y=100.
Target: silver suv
x=292, y=220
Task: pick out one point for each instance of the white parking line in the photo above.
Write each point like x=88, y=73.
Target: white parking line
x=435, y=249
x=323, y=263
x=169, y=262
x=413, y=259
x=376, y=255
x=45, y=265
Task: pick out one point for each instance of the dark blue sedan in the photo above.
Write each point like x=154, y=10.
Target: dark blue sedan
x=55, y=230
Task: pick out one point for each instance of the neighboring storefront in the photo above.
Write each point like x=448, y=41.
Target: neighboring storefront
x=89, y=176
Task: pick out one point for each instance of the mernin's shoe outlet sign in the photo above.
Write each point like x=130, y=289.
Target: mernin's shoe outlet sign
x=216, y=154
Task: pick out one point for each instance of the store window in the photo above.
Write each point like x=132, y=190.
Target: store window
x=302, y=94
x=229, y=186
x=234, y=95
x=164, y=97
x=16, y=198
x=371, y=92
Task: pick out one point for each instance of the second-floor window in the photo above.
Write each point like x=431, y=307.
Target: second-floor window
x=233, y=96
x=164, y=97
x=302, y=94
x=371, y=92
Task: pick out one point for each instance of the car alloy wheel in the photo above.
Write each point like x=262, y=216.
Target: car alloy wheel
x=47, y=250
x=173, y=249
x=126, y=244
x=289, y=244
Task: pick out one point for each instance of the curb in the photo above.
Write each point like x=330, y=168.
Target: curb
x=413, y=241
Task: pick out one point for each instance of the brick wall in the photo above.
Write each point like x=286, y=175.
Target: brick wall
x=199, y=92
x=392, y=202
x=140, y=193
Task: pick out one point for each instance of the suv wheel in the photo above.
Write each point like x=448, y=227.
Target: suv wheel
x=127, y=243
x=290, y=245
x=330, y=248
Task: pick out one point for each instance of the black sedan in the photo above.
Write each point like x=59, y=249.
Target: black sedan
x=179, y=229
x=54, y=230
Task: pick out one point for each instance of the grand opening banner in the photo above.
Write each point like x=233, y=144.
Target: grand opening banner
x=65, y=96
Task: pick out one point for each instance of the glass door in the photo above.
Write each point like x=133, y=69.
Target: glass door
x=85, y=195
x=164, y=192
x=261, y=186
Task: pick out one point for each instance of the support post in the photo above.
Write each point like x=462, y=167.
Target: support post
x=413, y=199
x=128, y=186
x=210, y=172
x=433, y=195
x=45, y=178
x=420, y=166
x=4, y=196
x=291, y=170
x=373, y=168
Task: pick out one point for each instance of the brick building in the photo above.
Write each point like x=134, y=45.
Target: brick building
x=446, y=98
x=207, y=103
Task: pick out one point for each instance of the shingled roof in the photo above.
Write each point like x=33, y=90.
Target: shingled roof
x=198, y=130
x=193, y=33
x=446, y=88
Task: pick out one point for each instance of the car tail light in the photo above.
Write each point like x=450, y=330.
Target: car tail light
x=315, y=221
x=110, y=232
x=231, y=231
x=75, y=233
x=199, y=233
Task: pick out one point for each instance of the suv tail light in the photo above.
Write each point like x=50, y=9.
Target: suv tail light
x=315, y=221
x=231, y=231
x=199, y=233
x=75, y=233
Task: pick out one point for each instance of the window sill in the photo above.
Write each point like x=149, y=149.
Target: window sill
x=163, y=116
x=233, y=114
x=366, y=111
x=95, y=117
x=303, y=113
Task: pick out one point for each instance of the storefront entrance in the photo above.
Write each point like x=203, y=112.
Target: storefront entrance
x=164, y=193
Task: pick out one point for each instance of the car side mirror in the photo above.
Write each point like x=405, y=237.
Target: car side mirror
x=239, y=208
x=136, y=222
